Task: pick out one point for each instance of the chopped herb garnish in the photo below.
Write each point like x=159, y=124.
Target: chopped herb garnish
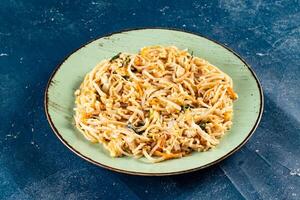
x=202, y=125
x=132, y=127
x=139, y=124
x=186, y=107
x=126, y=62
x=98, y=98
x=115, y=57
x=133, y=69
x=192, y=54
x=126, y=77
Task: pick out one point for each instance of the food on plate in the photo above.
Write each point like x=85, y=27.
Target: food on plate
x=161, y=103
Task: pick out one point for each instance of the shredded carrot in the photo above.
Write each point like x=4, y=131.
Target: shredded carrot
x=138, y=61
x=138, y=87
x=168, y=155
x=232, y=94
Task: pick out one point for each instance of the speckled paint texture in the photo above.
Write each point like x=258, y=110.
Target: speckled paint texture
x=36, y=35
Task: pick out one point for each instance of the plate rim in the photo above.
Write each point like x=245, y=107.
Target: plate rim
x=54, y=129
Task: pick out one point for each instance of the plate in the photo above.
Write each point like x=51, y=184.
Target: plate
x=59, y=98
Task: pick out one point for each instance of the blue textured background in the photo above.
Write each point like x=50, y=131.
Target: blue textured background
x=36, y=35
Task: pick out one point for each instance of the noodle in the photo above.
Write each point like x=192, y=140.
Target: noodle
x=162, y=103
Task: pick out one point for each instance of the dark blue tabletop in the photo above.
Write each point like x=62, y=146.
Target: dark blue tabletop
x=36, y=35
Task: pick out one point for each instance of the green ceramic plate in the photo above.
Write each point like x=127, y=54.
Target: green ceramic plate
x=59, y=98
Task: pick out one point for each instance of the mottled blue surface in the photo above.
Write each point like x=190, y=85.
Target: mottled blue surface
x=36, y=35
